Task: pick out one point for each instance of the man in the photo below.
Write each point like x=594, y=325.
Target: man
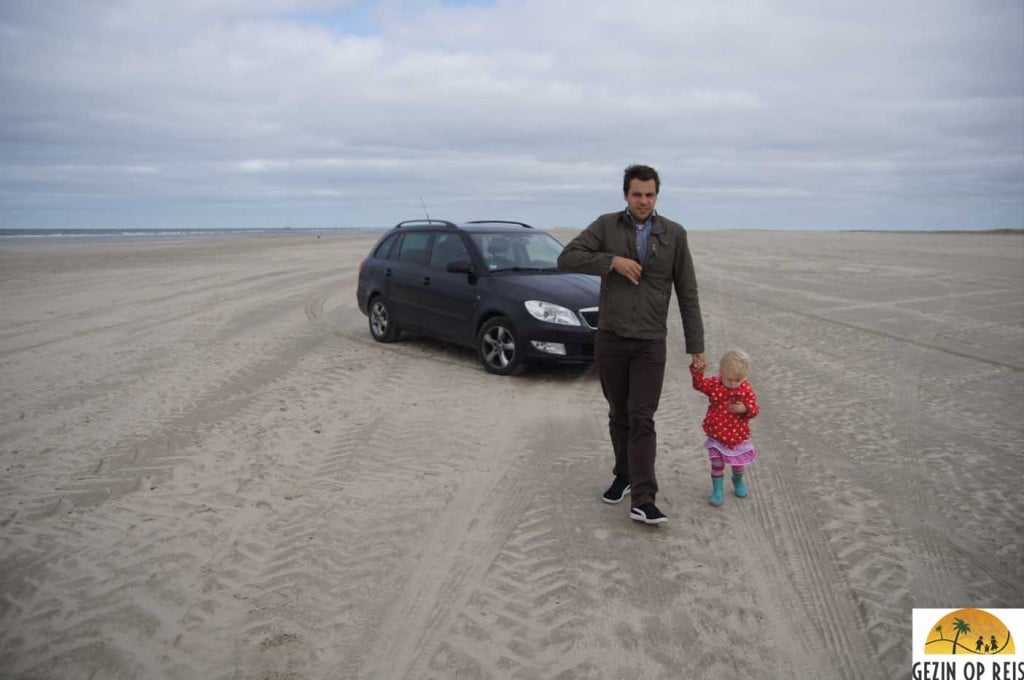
x=640, y=257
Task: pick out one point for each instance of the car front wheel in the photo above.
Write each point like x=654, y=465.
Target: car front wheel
x=498, y=347
x=382, y=326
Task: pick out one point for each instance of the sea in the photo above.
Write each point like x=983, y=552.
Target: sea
x=14, y=236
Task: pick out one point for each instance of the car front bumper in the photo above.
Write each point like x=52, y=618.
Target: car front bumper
x=577, y=341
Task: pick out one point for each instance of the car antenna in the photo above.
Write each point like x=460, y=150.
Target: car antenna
x=424, y=208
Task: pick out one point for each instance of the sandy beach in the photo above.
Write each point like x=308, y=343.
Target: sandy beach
x=210, y=470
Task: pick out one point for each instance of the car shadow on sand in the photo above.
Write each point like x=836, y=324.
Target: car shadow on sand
x=430, y=348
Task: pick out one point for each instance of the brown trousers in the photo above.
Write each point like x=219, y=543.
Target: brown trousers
x=632, y=372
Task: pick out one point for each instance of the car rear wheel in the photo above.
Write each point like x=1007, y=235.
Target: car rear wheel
x=382, y=326
x=498, y=348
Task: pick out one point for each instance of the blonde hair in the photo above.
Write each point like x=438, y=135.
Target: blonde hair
x=735, y=363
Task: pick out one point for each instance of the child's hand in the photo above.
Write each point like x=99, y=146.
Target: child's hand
x=738, y=408
x=698, y=362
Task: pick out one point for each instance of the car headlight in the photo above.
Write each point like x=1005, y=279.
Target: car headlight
x=551, y=313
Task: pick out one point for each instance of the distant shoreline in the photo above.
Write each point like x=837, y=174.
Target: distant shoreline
x=95, y=235
x=11, y=235
x=869, y=231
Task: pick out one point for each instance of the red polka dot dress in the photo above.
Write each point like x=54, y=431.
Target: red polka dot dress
x=728, y=433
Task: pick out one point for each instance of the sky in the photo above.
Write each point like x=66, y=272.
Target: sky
x=758, y=114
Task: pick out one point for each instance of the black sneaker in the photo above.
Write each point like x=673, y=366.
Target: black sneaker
x=647, y=513
x=617, y=491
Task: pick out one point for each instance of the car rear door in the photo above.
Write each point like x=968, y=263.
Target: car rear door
x=405, y=279
x=448, y=298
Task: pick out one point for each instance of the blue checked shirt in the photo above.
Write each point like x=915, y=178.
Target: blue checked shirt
x=643, y=232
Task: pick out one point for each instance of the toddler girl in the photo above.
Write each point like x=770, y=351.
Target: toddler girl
x=733, y=404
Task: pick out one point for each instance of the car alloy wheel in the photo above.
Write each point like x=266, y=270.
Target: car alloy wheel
x=498, y=348
x=382, y=327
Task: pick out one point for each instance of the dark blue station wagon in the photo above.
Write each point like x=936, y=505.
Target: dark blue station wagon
x=491, y=285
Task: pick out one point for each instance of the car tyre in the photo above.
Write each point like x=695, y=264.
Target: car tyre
x=498, y=347
x=382, y=325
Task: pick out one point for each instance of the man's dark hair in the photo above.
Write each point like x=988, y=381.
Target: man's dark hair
x=644, y=173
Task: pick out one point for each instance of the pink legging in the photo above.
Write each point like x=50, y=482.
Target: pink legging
x=718, y=468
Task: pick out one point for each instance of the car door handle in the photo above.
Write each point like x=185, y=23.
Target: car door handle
x=387, y=272
x=426, y=280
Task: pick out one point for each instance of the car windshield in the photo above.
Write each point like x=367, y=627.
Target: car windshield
x=519, y=251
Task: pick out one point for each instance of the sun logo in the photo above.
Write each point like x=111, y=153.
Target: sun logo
x=969, y=631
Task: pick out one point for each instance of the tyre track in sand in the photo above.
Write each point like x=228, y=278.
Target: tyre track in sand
x=152, y=456
x=458, y=541
x=485, y=547
x=374, y=459
x=522, y=616
x=800, y=585
x=82, y=609
x=154, y=413
x=299, y=613
x=886, y=535
x=846, y=528
x=783, y=522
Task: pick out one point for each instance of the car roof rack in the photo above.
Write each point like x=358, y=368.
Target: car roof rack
x=406, y=223
x=521, y=224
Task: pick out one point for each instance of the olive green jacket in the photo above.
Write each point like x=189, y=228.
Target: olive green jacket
x=639, y=311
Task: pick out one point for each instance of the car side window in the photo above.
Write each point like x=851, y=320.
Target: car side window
x=414, y=248
x=448, y=247
x=386, y=250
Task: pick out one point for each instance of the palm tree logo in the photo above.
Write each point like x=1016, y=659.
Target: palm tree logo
x=960, y=626
x=993, y=635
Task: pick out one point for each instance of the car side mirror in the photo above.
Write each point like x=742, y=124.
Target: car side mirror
x=460, y=267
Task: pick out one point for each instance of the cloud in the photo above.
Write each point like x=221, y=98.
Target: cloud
x=784, y=114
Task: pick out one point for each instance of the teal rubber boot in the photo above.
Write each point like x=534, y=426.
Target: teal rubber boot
x=740, y=486
x=716, y=494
